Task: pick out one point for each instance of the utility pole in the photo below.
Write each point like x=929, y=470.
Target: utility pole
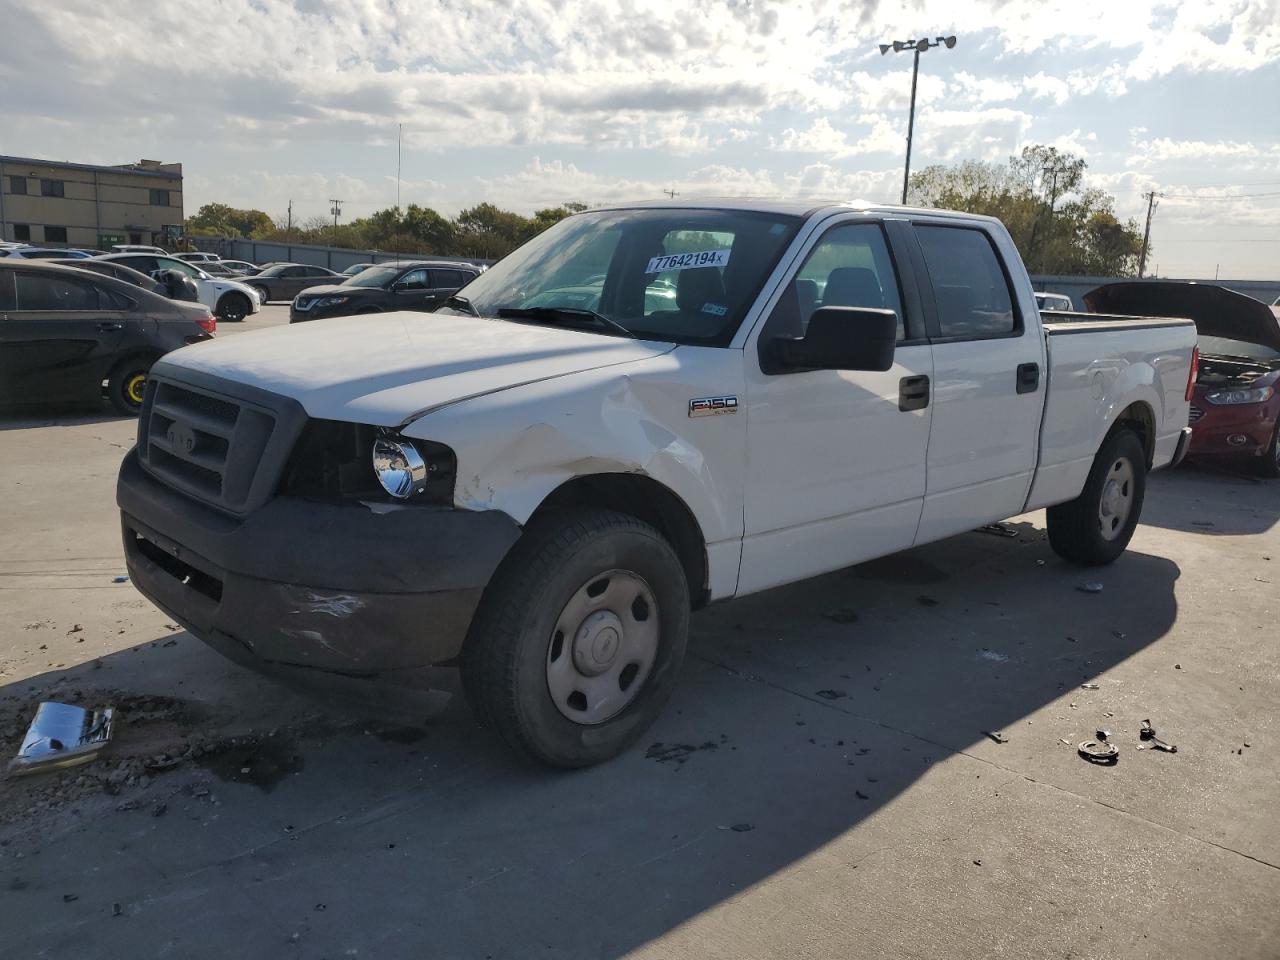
x=919, y=47
x=336, y=210
x=399, y=134
x=671, y=193
x=288, y=230
x=1146, y=234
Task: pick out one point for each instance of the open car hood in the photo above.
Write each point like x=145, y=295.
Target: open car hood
x=1217, y=311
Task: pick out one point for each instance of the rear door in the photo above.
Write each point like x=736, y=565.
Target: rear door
x=60, y=338
x=835, y=458
x=444, y=283
x=988, y=372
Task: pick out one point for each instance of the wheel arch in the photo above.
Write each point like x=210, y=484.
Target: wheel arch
x=646, y=499
x=1141, y=419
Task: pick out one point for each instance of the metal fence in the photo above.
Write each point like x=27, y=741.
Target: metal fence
x=335, y=258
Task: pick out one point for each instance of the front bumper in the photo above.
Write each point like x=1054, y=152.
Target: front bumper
x=304, y=590
x=318, y=313
x=1239, y=430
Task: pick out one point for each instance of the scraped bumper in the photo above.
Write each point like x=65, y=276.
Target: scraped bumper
x=308, y=591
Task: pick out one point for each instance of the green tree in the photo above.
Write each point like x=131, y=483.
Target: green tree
x=1058, y=224
x=221, y=219
x=487, y=231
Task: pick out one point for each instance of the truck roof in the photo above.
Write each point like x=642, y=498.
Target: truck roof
x=792, y=207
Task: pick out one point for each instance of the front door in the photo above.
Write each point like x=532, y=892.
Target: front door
x=412, y=291
x=988, y=383
x=58, y=340
x=835, y=459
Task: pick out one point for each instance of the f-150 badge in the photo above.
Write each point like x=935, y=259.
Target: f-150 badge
x=712, y=406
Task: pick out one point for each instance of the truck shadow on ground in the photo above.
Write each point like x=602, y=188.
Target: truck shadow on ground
x=1209, y=498
x=801, y=713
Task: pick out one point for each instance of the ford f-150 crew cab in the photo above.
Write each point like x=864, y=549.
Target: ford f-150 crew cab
x=537, y=487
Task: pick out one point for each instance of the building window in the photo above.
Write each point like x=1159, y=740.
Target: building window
x=55, y=234
x=22, y=231
x=159, y=198
x=18, y=185
x=52, y=188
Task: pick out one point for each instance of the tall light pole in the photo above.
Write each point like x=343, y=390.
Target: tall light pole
x=919, y=47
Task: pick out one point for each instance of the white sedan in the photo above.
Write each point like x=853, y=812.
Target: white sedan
x=230, y=300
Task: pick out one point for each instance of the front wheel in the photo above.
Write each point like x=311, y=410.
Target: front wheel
x=579, y=637
x=263, y=293
x=1095, y=527
x=127, y=386
x=233, y=307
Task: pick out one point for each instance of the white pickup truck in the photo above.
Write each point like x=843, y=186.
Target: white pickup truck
x=643, y=410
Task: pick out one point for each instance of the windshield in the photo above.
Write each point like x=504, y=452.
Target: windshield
x=686, y=276
x=1223, y=347
x=274, y=271
x=373, y=277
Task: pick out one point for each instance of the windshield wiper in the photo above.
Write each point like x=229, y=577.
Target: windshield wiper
x=462, y=303
x=552, y=314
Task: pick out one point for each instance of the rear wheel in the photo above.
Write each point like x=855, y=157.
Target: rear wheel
x=127, y=385
x=1095, y=527
x=1269, y=462
x=233, y=307
x=579, y=638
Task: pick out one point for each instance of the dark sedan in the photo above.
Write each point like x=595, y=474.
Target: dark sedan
x=418, y=285
x=284, y=281
x=64, y=333
x=117, y=271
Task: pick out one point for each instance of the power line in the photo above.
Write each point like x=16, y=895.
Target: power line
x=1222, y=196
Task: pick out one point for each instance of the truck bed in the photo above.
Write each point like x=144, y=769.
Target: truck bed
x=1094, y=360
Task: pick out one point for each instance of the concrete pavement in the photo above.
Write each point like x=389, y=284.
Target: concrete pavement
x=820, y=786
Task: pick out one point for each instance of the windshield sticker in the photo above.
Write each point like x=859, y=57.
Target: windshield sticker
x=715, y=309
x=688, y=261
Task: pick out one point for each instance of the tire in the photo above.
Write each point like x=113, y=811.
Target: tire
x=1269, y=463
x=126, y=385
x=263, y=293
x=1090, y=530
x=233, y=307
x=517, y=666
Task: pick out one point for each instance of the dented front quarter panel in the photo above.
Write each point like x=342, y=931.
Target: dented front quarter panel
x=517, y=446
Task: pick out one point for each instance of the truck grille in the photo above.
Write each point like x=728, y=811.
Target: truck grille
x=225, y=451
x=1195, y=414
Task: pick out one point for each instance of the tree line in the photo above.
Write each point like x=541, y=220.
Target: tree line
x=1059, y=224
x=484, y=231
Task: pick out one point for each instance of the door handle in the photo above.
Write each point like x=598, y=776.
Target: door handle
x=913, y=393
x=1028, y=377
x=110, y=327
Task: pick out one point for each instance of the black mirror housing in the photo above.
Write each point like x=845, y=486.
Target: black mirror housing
x=840, y=338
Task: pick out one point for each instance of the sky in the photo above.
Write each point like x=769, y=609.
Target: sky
x=530, y=103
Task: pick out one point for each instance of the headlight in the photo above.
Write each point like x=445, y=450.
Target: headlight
x=331, y=301
x=1255, y=395
x=399, y=467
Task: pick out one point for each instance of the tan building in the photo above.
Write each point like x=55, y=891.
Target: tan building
x=55, y=204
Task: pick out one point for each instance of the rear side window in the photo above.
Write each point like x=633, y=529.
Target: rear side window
x=969, y=285
x=141, y=264
x=449, y=278
x=47, y=291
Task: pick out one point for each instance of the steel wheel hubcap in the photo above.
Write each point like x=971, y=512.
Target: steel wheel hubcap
x=1117, y=499
x=603, y=647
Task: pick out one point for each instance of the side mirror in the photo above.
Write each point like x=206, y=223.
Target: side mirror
x=840, y=338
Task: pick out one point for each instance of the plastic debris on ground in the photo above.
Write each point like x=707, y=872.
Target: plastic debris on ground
x=1099, y=750
x=63, y=735
x=1148, y=734
x=998, y=530
x=995, y=735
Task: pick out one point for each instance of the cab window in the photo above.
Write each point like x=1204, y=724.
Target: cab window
x=413, y=280
x=849, y=267
x=969, y=284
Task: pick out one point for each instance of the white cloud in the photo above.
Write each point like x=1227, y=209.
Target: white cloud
x=1051, y=88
